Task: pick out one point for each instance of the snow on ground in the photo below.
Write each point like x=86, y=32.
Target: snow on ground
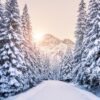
x=55, y=90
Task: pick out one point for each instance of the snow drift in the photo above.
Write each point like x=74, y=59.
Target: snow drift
x=55, y=90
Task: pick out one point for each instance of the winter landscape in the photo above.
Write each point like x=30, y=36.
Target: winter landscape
x=47, y=66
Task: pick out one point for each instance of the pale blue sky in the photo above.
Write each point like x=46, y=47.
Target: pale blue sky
x=57, y=17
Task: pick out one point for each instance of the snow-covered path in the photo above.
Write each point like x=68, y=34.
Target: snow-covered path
x=55, y=90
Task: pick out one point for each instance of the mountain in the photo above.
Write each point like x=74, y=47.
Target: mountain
x=55, y=48
x=50, y=42
x=69, y=43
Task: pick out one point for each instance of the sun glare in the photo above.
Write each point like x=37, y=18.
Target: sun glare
x=38, y=37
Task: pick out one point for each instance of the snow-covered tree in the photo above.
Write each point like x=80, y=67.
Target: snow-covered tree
x=66, y=66
x=80, y=32
x=13, y=72
x=45, y=67
x=26, y=25
x=89, y=73
x=3, y=51
x=32, y=59
x=54, y=73
x=31, y=52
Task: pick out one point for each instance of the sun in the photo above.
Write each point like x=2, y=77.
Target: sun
x=38, y=36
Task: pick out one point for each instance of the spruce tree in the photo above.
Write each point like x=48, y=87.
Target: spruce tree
x=13, y=72
x=66, y=66
x=80, y=32
x=30, y=53
x=89, y=72
x=45, y=67
x=26, y=25
x=3, y=52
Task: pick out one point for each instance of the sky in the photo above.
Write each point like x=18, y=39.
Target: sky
x=57, y=17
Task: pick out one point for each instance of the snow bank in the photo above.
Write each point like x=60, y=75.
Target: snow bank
x=55, y=90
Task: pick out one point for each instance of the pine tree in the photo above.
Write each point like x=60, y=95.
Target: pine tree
x=45, y=67
x=3, y=51
x=89, y=72
x=66, y=66
x=81, y=24
x=13, y=72
x=26, y=25
x=80, y=32
x=29, y=47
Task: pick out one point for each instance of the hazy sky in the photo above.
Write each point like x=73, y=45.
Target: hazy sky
x=57, y=17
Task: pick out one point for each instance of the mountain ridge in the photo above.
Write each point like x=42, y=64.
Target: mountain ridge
x=52, y=40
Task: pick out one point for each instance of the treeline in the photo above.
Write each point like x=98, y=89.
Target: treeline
x=86, y=65
x=20, y=61
x=83, y=65
x=23, y=65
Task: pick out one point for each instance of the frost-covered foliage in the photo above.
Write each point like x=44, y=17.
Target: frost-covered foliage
x=66, y=66
x=28, y=47
x=14, y=74
x=26, y=24
x=23, y=65
x=54, y=73
x=62, y=68
x=33, y=57
x=45, y=67
x=89, y=72
x=80, y=31
x=12, y=68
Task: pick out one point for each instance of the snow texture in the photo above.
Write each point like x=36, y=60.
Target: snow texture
x=55, y=90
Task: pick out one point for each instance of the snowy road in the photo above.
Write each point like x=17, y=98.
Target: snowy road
x=55, y=90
